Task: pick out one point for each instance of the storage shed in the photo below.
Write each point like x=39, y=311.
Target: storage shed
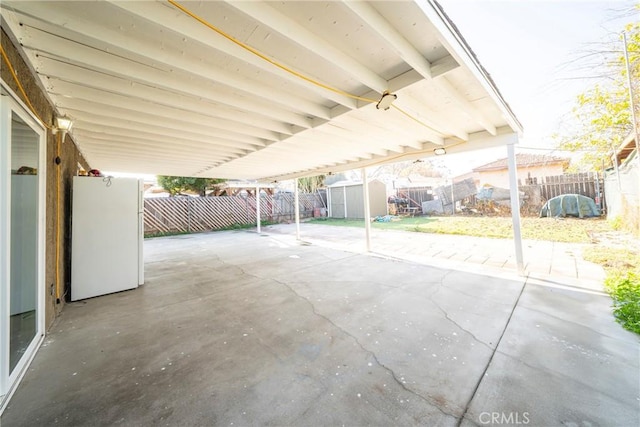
x=345, y=199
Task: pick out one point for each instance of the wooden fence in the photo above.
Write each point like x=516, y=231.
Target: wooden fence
x=538, y=190
x=587, y=184
x=194, y=214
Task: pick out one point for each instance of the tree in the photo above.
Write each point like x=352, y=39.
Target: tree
x=602, y=112
x=311, y=183
x=179, y=184
x=426, y=168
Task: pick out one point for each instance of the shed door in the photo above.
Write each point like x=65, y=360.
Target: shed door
x=337, y=202
x=355, y=202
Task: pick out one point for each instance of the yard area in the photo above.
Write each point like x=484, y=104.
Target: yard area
x=569, y=230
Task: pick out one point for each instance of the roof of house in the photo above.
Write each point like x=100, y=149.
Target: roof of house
x=627, y=147
x=523, y=160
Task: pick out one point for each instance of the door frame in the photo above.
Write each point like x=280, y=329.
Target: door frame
x=10, y=103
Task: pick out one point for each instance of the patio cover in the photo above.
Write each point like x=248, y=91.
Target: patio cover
x=259, y=90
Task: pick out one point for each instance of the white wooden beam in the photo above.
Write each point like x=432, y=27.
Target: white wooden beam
x=504, y=135
x=98, y=123
x=457, y=47
x=93, y=141
x=75, y=107
x=414, y=58
x=379, y=24
x=150, y=144
x=465, y=105
x=141, y=153
x=117, y=131
x=431, y=118
x=391, y=124
x=397, y=84
x=191, y=29
x=443, y=65
x=297, y=33
x=146, y=68
x=71, y=80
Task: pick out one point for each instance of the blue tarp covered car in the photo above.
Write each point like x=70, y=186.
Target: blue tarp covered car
x=575, y=205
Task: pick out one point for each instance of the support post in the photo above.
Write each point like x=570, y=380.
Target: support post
x=367, y=209
x=634, y=119
x=344, y=198
x=258, y=208
x=515, y=206
x=453, y=199
x=296, y=202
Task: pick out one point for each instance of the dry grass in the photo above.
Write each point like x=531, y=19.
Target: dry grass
x=558, y=230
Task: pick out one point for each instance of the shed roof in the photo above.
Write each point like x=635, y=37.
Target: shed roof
x=259, y=90
x=354, y=183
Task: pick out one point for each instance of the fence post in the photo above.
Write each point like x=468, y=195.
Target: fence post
x=296, y=201
x=258, y=209
x=189, y=215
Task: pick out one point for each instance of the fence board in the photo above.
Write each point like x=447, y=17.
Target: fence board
x=195, y=214
x=587, y=184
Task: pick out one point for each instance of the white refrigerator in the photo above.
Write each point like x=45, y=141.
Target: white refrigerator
x=107, y=236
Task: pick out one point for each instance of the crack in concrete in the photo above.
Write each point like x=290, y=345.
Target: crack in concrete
x=428, y=400
x=484, y=372
x=446, y=315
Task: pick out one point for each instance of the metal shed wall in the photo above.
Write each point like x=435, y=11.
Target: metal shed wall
x=347, y=201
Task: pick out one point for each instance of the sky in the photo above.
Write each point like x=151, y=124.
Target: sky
x=530, y=48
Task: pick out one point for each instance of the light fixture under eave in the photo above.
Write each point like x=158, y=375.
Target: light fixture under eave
x=386, y=100
x=439, y=151
x=63, y=124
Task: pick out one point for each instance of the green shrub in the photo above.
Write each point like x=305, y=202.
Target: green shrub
x=625, y=292
x=616, y=223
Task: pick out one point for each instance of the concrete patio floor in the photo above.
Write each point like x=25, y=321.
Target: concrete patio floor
x=235, y=328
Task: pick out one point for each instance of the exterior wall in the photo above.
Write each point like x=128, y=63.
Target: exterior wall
x=622, y=200
x=500, y=178
x=70, y=157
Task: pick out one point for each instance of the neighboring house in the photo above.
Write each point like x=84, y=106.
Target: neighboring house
x=531, y=168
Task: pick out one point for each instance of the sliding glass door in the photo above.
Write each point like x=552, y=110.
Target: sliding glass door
x=22, y=248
